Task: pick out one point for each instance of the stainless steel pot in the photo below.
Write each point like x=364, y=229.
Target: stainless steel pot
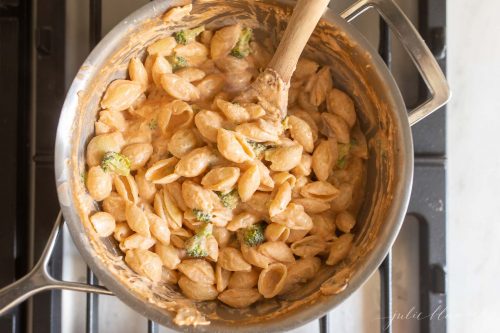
x=356, y=68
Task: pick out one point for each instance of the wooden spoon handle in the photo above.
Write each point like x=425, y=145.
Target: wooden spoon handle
x=305, y=17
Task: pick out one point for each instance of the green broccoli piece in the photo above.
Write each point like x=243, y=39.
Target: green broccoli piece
x=186, y=36
x=196, y=246
x=177, y=62
x=254, y=235
x=202, y=216
x=343, y=152
x=242, y=48
x=258, y=147
x=153, y=124
x=285, y=124
x=115, y=162
x=229, y=199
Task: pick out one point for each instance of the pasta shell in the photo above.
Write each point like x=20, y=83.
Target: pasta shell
x=284, y=158
x=258, y=204
x=179, y=88
x=99, y=183
x=224, y=40
x=234, y=147
x=320, y=190
x=324, y=158
x=340, y=249
x=234, y=112
x=168, y=254
x=137, y=220
x=231, y=64
x=294, y=217
x=126, y=188
x=146, y=189
x=197, y=270
x=301, y=271
x=138, y=154
x=103, y=223
x=305, y=166
x=301, y=132
x=195, y=162
x=306, y=116
x=341, y=104
x=145, y=263
x=336, y=126
x=308, y=246
x=280, y=178
x=277, y=252
x=115, y=205
x=163, y=171
x=183, y=141
x=210, y=86
x=359, y=146
x=159, y=228
x=232, y=260
x=272, y=280
x=196, y=197
x=122, y=231
x=345, y=221
x=162, y=47
x=242, y=220
x=222, y=235
x=305, y=68
x=101, y=144
x=221, y=179
x=312, y=206
x=177, y=115
x=281, y=199
x=239, y=298
x=196, y=290
x=322, y=84
x=277, y=232
x=166, y=208
x=222, y=277
x=137, y=72
x=259, y=131
x=296, y=235
x=208, y=123
x=324, y=227
x=254, y=257
x=343, y=200
x=191, y=74
x=212, y=248
x=113, y=119
x=195, y=53
x=160, y=66
x=243, y=280
x=137, y=241
x=121, y=94
x=248, y=183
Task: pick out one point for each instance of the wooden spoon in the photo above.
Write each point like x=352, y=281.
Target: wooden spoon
x=270, y=88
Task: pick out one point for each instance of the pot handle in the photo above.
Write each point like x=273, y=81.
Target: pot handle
x=413, y=43
x=39, y=278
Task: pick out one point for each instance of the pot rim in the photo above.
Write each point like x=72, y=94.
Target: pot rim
x=63, y=149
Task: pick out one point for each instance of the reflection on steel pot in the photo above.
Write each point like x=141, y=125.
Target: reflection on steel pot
x=356, y=68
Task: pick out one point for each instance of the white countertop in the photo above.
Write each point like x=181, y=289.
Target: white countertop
x=474, y=166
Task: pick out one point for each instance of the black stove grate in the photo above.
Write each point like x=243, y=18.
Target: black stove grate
x=32, y=91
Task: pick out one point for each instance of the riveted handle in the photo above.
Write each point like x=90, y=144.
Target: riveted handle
x=413, y=43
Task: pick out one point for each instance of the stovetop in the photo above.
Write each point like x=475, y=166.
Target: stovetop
x=42, y=44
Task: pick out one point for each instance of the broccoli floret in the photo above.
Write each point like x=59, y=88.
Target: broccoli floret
x=229, y=199
x=258, y=147
x=186, y=36
x=343, y=152
x=202, y=216
x=196, y=246
x=242, y=48
x=285, y=124
x=153, y=124
x=254, y=235
x=177, y=62
x=115, y=162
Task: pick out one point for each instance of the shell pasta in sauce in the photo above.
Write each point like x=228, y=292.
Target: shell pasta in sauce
x=212, y=195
